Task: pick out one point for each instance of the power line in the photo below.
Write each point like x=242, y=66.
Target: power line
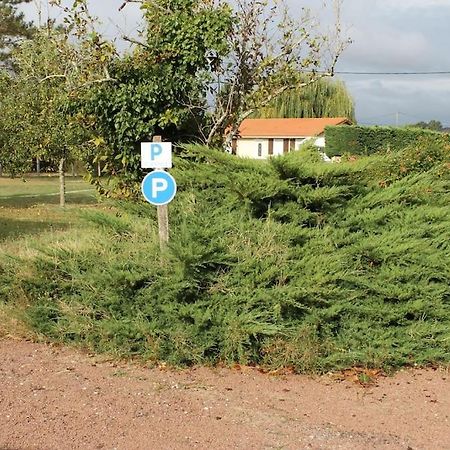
x=340, y=72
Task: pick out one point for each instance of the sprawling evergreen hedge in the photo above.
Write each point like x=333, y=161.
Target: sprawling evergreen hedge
x=292, y=263
x=360, y=140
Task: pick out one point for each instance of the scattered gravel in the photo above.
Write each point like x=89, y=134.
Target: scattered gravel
x=57, y=398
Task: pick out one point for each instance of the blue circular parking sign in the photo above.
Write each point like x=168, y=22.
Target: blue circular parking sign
x=159, y=188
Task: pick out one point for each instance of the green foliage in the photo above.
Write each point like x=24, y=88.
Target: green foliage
x=433, y=125
x=324, y=98
x=154, y=86
x=358, y=140
x=14, y=157
x=293, y=263
x=35, y=122
x=12, y=28
x=183, y=36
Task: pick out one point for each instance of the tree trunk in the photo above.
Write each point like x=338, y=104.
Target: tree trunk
x=62, y=183
x=234, y=129
x=38, y=166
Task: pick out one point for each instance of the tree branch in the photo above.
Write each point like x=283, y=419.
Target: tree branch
x=135, y=41
x=49, y=77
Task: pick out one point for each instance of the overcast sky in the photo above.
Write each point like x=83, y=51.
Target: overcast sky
x=388, y=36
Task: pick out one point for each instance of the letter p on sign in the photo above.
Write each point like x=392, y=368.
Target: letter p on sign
x=156, y=155
x=159, y=185
x=155, y=151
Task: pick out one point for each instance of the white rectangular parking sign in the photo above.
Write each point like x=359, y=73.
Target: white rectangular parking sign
x=156, y=155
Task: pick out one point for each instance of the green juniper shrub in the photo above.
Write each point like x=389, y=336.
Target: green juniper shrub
x=289, y=263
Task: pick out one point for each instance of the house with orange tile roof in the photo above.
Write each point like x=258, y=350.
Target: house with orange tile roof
x=262, y=138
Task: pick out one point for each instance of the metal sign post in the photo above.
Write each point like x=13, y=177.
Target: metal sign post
x=158, y=187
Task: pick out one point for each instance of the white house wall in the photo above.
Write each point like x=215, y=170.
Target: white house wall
x=277, y=147
x=299, y=142
x=320, y=142
x=248, y=148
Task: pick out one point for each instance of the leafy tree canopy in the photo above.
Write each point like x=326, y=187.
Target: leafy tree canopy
x=199, y=69
x=434, y=125
x=153, y=88
x=325, y=98
x=34, y=121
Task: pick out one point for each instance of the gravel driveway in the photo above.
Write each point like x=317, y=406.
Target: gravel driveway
x=58, y=398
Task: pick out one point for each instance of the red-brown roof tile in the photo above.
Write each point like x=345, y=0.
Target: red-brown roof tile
x=284, y=128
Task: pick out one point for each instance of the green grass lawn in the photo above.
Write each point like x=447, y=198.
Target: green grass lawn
x=30, y=206
x=25, y=192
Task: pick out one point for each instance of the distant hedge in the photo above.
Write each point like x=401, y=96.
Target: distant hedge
x=360, y=140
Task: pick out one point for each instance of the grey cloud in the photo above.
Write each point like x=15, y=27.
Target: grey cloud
x=421, y=98
x=387, y=49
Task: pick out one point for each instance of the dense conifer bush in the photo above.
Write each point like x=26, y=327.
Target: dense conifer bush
x=293, y=263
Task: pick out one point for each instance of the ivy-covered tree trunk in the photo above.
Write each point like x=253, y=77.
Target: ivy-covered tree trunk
x=62, y=183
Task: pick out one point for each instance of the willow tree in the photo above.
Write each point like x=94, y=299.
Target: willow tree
x=325, y=98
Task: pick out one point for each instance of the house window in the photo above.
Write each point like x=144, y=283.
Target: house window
x=260, y=149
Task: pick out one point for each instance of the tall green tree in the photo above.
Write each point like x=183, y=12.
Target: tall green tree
x=51, y=71
x=325, y=98
x=34, y=122
x=15, y=157
x=13, y=27
x=161, y=87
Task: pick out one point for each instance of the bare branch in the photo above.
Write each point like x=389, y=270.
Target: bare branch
x=125, y=3
x=135, y=41
x=49, y=77
x=142, y=1
x=267, y=63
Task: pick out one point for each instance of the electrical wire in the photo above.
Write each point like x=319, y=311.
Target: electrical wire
x=341, y=72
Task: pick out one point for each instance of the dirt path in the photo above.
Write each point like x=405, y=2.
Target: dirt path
x=56, y=398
